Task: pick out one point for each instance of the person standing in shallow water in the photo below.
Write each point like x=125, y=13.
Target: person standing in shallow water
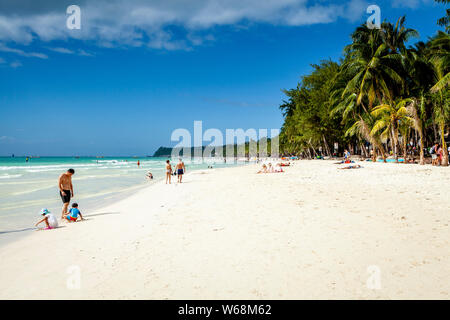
x=66, y=189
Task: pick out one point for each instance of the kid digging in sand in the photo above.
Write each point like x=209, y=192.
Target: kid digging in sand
x=49, y=219
x=72, y=215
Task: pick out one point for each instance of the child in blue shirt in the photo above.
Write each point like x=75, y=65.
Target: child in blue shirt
x=72, y=215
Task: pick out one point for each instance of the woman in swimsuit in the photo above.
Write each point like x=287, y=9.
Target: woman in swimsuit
x=440, y=153
x=168, y=172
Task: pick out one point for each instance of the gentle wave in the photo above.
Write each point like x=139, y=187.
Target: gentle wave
x=10, y=176
x=20, y=193
x=49, y=166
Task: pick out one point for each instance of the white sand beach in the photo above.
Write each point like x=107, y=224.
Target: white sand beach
x=313, y=232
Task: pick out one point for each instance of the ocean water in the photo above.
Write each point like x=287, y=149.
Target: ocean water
x=27, y=187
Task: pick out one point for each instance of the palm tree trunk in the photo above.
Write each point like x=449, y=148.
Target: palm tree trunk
x=395, y=142
x=374, y=154
x=383, y=153
x=378, y=145
x=434, y=130
x=444, y=144
x=363, y=149
x=391, y=141
x=405, y=149
x=422, y=155
x=327, y=148
x=418, y=126
x=312, y=147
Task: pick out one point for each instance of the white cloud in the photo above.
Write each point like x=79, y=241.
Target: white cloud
x=22, y=53
x=355, y=8
x=162, y=24
x=79, y=52
x=15, y=64
x=6, y=139
x=412, y=4
x=62, y=50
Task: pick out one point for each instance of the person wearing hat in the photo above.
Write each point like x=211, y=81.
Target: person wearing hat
x=49, y=219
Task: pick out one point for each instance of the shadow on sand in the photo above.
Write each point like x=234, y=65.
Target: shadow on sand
x=19, y=230
x=100, y=214
x=26, y=229
x=34, y=228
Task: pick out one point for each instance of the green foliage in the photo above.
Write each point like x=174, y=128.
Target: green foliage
x=445, y=21
x=380, y=93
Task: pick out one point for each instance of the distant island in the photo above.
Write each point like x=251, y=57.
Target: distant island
x=167, y=151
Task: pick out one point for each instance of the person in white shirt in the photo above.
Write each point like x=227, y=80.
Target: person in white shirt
x=50, y=220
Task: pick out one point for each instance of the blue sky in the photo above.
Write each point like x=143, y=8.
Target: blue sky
x=138, y=70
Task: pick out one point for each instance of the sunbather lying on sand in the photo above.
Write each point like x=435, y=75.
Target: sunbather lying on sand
x=271, y=169
x=351, y=167
x=264, y=169
x=346, y=161
x=278, y=168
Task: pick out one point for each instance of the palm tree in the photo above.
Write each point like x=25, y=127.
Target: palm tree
x=363, y=127
x=375, y=61
x=440, y=58
x=373, y=72
x=441, y=113
x=445, y=21
x=405, y=131
x=420, y=78
x=396, y=37
x=416, y=113
x=389, y=118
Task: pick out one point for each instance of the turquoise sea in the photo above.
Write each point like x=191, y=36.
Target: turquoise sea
x=26, y=187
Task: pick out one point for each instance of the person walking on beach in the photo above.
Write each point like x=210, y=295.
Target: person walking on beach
x=168, y=172
x=433, y=152
x=440, y=154
x=180, y=168
x=66, y=189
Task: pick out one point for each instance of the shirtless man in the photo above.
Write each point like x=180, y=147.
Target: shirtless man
x=66, y=190
x=181, y=169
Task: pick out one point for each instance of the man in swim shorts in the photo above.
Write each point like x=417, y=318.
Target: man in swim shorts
x=181, y=169
x=66, y=189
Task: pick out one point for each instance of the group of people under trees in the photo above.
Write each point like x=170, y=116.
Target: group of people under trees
x=437, y=154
